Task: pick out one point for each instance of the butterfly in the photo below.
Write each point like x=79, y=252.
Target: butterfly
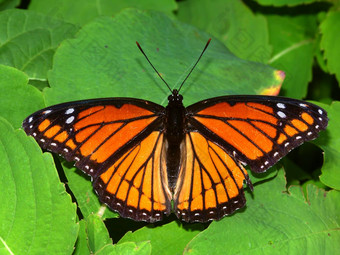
x=146, y=160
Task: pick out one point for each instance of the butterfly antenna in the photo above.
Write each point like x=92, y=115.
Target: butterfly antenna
x=206, y=46
x=160, y=76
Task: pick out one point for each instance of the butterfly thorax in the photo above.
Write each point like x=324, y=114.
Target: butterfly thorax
x=174, y=135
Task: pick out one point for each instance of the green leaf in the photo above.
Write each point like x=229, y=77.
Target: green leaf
x=8, y=4
x=17, y=98
x=143, y=248
x=77, y=12
x=276, y=222
x=329, y=141
x=81, y=247
x=330, y=42
x=95, y=64
x=231, y=21
x=293, y=42
x=167, y=239
x=29, y=40
x=98, y=236
x=94, y=239
x=37, y=216
x=285, y=2
x=82, y=189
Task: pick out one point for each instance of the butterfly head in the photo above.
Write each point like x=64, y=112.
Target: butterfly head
x=175, y=97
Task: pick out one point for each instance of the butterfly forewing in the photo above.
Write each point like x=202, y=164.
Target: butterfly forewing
x=257, y=130
x=116, y=141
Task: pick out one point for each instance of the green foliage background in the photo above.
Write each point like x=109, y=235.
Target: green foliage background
x=58, y=50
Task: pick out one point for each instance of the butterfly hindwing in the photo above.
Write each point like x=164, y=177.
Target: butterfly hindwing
x=257, y=130
x=116, y=141
x=210, y=184
x=136, y=184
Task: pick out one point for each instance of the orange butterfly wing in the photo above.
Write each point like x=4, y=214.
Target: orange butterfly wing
x=226, y=132
x=257, y=130
x=210, y=184
x=118, y=142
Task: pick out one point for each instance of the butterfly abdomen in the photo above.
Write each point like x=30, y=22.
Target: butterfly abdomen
x=174, y=135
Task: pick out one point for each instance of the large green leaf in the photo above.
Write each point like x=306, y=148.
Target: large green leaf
x=293, y=42
x=231, y=21
x=96, y=64
x=330, y=42
x=276, y=222
x=36, y=215
x=29, y=40
x=167, y=239
x=99, y=63
x=329, y=141
x=79, y=13
x=17, y=98
x=82, y=189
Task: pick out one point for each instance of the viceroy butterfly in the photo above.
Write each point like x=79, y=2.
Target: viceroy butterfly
x=142, y=156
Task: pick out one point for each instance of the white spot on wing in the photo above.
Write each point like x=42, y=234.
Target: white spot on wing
x=281, y=105
x=320, y=111
x=298, y=137
x=69, y=111
x=30, y=119
x=303, y=105
x=69, y=120
x=276, y=154
x=281, y=114
x=34, y=134
x=47, y=111
x=53, y=144
x=65, y=149
x=309, y=133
